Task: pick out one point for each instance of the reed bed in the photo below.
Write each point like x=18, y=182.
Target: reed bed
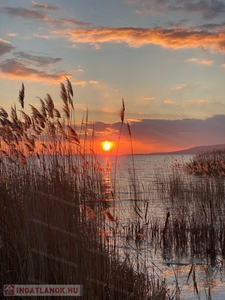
x=196, y=214
x=56, y=226
x=210, y=163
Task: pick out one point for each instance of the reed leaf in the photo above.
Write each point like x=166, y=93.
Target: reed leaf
x=108, y=216
x=190, y=271
x=27, y=119
x=61, y=130
x=3, y=113
x=57, y=113
x=88, y=211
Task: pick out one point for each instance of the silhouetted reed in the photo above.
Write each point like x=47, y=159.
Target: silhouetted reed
x=195, y=224
x=55, y=227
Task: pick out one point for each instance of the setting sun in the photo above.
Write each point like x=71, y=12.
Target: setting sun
x=106, y=145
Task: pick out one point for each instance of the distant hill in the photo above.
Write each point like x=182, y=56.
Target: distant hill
x=194, y=150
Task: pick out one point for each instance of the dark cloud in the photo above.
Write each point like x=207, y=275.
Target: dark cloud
x=207, y=8
x=182, y=132
x=14, y=69
x=43, y=6
x=5, y=47
x=72, y=22
x=212, y=26
x=24, y=13
x=175, y=134
x=39, y=61
x=42, y=16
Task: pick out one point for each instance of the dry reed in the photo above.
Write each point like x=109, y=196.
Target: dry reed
x=53, y=228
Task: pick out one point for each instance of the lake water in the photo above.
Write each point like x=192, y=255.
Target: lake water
x=145, y=171
x=134, y=181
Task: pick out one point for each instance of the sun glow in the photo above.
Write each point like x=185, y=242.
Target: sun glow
x=106, y=145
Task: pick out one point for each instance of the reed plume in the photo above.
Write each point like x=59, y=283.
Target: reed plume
x=121, y=115
x=49, y=105
x=122, y=111
x=69, y=92
x=21, y=96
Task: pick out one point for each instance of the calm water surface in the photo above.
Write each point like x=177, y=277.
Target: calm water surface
x=145, y=171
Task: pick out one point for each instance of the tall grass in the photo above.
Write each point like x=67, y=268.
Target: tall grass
x=211, y=163
x=197, y=214
x=56, y=226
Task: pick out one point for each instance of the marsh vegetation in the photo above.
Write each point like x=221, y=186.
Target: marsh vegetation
x=57, y=225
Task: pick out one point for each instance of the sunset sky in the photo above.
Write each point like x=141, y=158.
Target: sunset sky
x=166, y=58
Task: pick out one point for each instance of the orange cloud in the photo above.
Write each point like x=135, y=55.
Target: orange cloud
x=148, y=98
x=80, y=82
x=78, y=69
x=179, y=86
x=168, y=101
x=133, y=121
x=206, y=62
x=223, y=65
x=93, y=81
x=41, y=36
x=198, y=101
x=192, y=59
x=137, y=37
x=10, y=33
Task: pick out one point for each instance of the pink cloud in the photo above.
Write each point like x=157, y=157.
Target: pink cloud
x=205, y=62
